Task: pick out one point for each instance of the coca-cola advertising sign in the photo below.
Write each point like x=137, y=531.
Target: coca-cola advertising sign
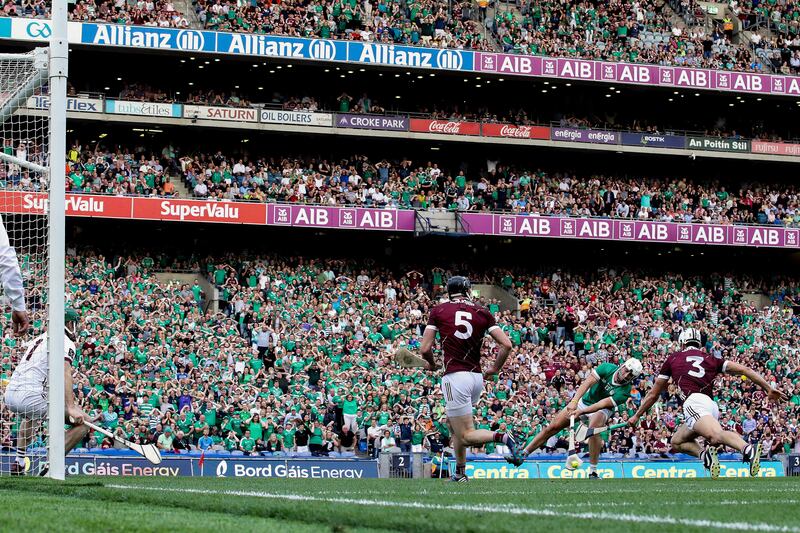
x=516, y=132
x=447, y=127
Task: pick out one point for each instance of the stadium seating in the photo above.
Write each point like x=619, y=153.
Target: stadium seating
x=401, y=184
x=289, y=356
x=615, y=31
x=161, y=13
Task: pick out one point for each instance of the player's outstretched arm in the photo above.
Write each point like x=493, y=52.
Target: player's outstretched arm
x=426, y=348
x=587, y=383
x=74, y=413
x=11, y=278
x=736, y=369
x=649, y=400
x=605, y=403
x=505, y=347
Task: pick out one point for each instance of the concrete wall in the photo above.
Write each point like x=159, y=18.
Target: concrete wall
x=758, y=299
x=439, y=221
x=507, y=301
x=721, y=9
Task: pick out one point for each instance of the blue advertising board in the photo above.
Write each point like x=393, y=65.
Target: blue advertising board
x=489, y=469
x=152, y=38
x=410, y=56
x=289, y=468
x=127, y=464
x=283, y=47
x=655, y=140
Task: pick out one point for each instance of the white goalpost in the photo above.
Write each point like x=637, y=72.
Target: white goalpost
x=32, y=235
x=59, y=61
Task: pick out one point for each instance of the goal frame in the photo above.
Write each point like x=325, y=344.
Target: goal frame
x=59, y=61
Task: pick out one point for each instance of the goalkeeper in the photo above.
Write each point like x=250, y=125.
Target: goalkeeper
x=11, y=279
x=26, y=394
x=606, y=388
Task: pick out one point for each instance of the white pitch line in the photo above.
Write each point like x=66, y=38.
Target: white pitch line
x=573, y=505
x=504, y=509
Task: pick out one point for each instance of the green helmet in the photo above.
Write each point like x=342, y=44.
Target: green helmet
x=70, y=315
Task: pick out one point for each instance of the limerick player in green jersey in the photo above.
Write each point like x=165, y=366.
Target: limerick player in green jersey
x=607, y=387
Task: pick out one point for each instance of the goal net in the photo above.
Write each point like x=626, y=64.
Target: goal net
x=24, y=263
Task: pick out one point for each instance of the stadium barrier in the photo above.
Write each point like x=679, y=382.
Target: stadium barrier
x=630, y=469
x=389, y=219
x=792, y=464
x=249, y=117
x=124, y=463
x=114, y=463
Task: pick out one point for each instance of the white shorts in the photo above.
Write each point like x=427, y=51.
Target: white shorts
x=585, y=418
x=28, y=403
x=697, y=406
x=461, y=391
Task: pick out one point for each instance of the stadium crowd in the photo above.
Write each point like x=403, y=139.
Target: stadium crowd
x=160, y=13
x=297, y=358
x=436, y=23
x=403, y=183
x=634, y=32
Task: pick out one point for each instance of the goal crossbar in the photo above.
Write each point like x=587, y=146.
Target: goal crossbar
x=35, y=81
x=22, y=163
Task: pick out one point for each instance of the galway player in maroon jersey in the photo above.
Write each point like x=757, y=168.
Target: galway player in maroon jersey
x=461, y=325
x=694, y=371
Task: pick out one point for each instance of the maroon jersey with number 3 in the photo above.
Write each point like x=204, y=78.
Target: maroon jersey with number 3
x=461, y=325
x=693, y=371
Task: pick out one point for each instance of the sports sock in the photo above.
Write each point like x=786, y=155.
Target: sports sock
x=592, y=468
x=461, y=469
x=748, y=451
x=20, y=453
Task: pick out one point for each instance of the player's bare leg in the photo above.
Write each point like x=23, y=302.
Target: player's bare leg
x=709, y=427
x=560, y=421
x=597, y=420
x=685, y=441
x=74, y=436
x=465, y=435
x=27, y=428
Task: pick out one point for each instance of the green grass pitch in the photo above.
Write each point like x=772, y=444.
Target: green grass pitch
x=215, y=505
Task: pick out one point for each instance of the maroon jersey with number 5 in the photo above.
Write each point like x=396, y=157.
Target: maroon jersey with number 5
x=693, y=371
x=462, y=325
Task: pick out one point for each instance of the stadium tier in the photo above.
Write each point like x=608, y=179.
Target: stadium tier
x=514, y=111
x=296, y=347
x=402, y=183
x=425, y=238
x=657, y=32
